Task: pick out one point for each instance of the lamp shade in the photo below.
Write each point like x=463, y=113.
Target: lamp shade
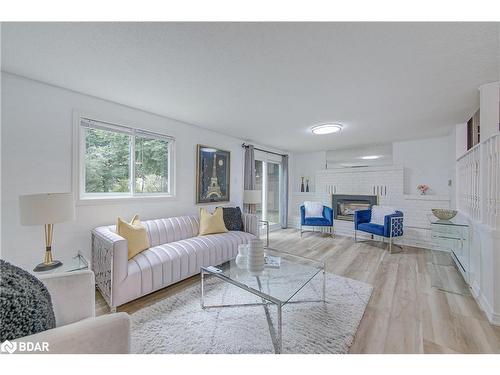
x=47, y=208
x=252, y=196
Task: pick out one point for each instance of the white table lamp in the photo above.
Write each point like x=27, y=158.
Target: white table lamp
x=252, y=196
x=46, y=209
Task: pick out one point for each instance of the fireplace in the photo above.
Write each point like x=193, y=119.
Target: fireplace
x=345, y=205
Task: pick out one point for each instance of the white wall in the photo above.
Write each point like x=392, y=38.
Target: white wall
x=489, y=97
x=427, y=161
x=305, y=165
x=460, y=139
x=353, y=156
x=37, y=122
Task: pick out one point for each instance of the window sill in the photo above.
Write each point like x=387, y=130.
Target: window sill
x=97, y=201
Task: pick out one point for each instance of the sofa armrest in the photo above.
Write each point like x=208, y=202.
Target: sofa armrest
x=72, y=295
x=106, y=334
x=251, y=223
x=362, y=216
x=109, y=260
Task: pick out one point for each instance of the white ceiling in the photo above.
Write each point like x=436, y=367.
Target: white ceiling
x=270, y=82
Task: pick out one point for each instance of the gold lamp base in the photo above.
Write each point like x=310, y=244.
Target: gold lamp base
x=48, y=262
x=47, y=266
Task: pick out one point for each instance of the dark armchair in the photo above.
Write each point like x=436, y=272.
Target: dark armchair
x=393, y=225
x=325, y=222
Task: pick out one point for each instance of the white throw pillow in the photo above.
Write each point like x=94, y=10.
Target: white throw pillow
x=313, y=209
x=379, y=213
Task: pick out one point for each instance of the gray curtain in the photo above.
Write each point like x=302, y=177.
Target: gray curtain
x=284, y=193
x=249, y=176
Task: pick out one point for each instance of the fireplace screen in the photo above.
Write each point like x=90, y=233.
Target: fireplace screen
x=345, y=205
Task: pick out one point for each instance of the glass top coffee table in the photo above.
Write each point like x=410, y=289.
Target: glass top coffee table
x=274, y=285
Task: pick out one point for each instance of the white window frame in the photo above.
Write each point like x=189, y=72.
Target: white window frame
x=79, y=156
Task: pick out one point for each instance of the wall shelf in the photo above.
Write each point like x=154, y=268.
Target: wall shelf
x=428, y=197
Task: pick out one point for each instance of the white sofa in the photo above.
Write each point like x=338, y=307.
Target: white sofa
x=78, y=331
x=176, y=253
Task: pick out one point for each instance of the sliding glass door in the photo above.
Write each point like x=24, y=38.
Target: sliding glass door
x=268, y=180
x=273, y=193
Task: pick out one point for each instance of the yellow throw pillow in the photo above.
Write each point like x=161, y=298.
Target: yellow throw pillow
x=135, y=233
x=211, y=223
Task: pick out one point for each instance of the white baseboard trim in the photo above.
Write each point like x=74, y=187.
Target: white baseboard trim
x=483, y=303
x=494, y=319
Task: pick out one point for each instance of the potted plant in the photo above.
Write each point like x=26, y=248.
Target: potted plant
x=422, y=188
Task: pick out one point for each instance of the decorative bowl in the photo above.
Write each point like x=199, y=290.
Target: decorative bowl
x=444, y=214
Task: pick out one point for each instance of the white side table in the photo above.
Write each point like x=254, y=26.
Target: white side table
x=76, y=263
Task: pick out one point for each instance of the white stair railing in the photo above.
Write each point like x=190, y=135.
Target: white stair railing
x=469, y=167
x=478, y=182
x=491, y=149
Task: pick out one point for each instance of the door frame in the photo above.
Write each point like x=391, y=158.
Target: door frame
x=266, y=158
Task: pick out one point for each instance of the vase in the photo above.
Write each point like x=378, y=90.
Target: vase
x=302, y=185
x=242, y=257
x=255, y=257
x=307, y=186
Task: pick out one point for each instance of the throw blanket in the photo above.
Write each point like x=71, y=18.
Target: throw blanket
x=25, y=304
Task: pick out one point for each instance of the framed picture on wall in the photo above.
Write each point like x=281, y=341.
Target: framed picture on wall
x=212, y=174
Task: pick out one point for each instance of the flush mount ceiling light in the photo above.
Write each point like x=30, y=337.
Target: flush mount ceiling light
x=326, y=129
x=370, y=157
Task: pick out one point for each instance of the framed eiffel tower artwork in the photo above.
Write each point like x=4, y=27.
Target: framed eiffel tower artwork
x=212, y=174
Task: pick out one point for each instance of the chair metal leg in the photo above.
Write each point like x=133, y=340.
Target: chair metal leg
x=300, y=230
x=390, y=245
x=355, y=235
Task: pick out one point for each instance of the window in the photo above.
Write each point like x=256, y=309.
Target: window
x=117, y=161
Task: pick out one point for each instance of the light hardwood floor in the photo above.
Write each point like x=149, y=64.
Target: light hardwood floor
x=405, y=313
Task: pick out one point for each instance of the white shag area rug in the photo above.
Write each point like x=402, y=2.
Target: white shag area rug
x=179, y=325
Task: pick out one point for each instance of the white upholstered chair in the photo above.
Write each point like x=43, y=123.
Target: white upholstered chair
x=78, y=330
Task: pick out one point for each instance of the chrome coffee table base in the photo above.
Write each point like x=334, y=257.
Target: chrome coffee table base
x=267, y=300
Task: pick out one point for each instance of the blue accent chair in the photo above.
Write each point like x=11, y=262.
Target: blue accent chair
x=325, y=221
x=393, y=225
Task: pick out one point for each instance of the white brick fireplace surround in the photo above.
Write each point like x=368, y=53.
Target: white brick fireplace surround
x=388, y=184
